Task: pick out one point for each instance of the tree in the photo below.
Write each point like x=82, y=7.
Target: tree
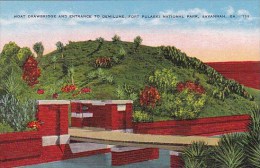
x=54, y=61
x=137, y=42
x=100, y=40
x=71, y=73
x=38, y=48
x=31, y=72
x=60, y=47
x=9, y=53
x=23, y=54
x=116, y=38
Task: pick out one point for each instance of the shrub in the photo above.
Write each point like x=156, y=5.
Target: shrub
x=140, y=116
x=103, y=62
x=149, y=97
x=126, y=92
x=229, y=152
x=164, y=79
x=101, y=76
x=191, y=86
x=5, y=128
x=196, y=155
x=122, y=53
x=31, y=72
x=183, y=105
x=116, y=38
x=16, y=113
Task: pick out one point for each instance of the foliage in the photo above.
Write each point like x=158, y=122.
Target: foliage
x=9, y=53
x=140, y=116
x=68, y=88
x=116, y=38
x=5, y=128
x=149, y=96
x=38, y=48
x=54, y=61
x=23, y=54
x=60, y=47
x=252, y=142
x=191, y=86
x=183, y=105
x=125, y=92
x=122, y=52
x=137, y=42
x=103, y=62
x=16, y=113
x=214, y=78
x=196, y=155
x=31, y=72
x=71, y=74
x=35, y=125
x=101, y=76
x=229, y=152
x=13, y=83
x=164, y=79
x=100, y=40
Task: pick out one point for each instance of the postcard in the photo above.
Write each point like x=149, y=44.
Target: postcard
x=135, y=84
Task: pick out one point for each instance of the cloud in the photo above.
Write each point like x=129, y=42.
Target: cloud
x=230, y=10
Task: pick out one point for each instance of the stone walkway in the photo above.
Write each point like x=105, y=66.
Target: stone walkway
x=168, y=142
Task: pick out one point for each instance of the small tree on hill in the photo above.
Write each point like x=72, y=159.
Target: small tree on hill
x=116, y=38
x=31, y=71
x=71, y=73
x=100, y=40
x=137, y=42
x=38, y=48
x=60, y=47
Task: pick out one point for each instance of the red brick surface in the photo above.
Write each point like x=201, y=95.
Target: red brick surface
x=176, y=161
x=25, y=148
x=246, y=73
x=140, y=155
x=104, y=116
x=204, y=126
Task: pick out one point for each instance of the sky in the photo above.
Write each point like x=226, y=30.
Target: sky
x=209, y=39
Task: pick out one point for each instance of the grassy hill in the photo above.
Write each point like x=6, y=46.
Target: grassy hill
x=129, y=74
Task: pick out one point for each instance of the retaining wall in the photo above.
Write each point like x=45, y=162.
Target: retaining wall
x=203, y=126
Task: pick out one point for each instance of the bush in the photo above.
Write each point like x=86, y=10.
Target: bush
x=125, y=92
x=229, y=152
x=101, y=76
x=140, y=116
x=196, y=155
x=183, y=105
x=164, y=79
x=16, y=113
x=149, y=97
x=103, y=62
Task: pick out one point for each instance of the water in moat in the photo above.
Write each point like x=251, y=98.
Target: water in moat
x=104, y=161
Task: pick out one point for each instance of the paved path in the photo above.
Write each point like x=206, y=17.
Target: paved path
x=169, y=142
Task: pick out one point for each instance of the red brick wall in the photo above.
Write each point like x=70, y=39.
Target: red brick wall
x=15, y=146
x=204, y=126
x=104, y=116
x=176, y=161
x=25, y=148
x=246, y=73
x=140, y=155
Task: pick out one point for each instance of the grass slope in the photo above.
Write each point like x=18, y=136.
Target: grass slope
x=133, y=70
